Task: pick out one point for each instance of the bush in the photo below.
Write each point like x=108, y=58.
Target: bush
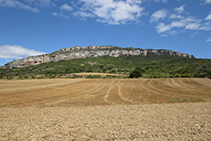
x=136, y=73
x=113, y=71
x=93, y=76
x=208, y=74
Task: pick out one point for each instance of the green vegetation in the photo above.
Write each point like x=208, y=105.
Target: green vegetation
x=178, y=100
x=136, y=73
x=151, y=66
x=93, y=76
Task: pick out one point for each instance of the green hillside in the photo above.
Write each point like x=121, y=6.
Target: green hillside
x=152, y=66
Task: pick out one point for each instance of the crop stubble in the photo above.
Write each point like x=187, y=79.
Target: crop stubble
x=105, y=109
x=57, y=92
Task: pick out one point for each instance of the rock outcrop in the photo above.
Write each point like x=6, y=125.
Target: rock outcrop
x=79, y=52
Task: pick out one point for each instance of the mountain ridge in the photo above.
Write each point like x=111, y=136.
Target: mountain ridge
x=79, y=52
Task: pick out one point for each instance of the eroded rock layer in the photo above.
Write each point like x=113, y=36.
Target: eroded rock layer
x=79, y=52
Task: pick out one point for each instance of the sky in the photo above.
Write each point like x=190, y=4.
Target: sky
x=34, y=27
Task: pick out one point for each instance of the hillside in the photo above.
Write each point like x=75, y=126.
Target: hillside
x=89, y=52
x=107, y=59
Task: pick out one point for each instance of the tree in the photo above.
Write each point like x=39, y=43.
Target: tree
x=208, y=74
x=136, y=73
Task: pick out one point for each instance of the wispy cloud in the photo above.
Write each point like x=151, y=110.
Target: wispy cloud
x=83, y=14
x=209, y=39
x=44, y=3
x=29, y=5
x=208, y=17
x=176, y=16
x=160, y=14
x=181, y=23
x=17, y=4
x=66, y=7
x=180, y=9
x=55, y=14
x=60, y=15
x=161, y=27
x=207, y=1
x=17, y=52
x=206, y=26
x=40, y=3
x=164, y=1
x=178, y=20
x=192, y=26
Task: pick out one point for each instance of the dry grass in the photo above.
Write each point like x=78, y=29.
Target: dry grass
x=105, y=109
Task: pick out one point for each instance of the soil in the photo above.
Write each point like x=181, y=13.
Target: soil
x=110, y=109
x=178, y=121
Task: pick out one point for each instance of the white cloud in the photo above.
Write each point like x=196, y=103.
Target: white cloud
x=17, y=52
x=206, y=26
x=181, y=23
x=163, y=35
x=209, y=39
x=60, y=15
x=163, y=28
x=55, y=14
x=64, y=16
x=208, y=17
x=17, y=4
x=164, y=1
x=110, y=11
x=160, y=14
x=192, y=23
x=66, y=7
x=192, y=19
x=193, y=26
x=207, y=1
x=39, y=3
x=134, y=1
x=173, y=32
x=175, y=16
x=180, y=9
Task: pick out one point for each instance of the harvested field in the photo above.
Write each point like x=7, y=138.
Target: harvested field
x=105, y=109
x=83, y=92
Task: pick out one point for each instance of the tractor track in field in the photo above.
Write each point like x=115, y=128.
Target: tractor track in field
x=105, y=109
x=121, y=95
x=111, y=86
x=83, y=92
x=102, y=91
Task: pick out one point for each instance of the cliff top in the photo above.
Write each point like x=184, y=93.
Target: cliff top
x=79, y=52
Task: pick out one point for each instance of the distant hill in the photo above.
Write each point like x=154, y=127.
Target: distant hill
x=107, y=59
x=90, y=52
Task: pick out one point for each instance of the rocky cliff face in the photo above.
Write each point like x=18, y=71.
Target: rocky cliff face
x=78, y=52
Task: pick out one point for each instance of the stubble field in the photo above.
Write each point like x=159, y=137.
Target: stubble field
x=105, y=109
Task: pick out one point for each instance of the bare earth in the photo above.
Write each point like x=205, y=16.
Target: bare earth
x=110, y=109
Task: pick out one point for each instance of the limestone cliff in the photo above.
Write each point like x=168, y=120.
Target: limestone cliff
x=78, y=52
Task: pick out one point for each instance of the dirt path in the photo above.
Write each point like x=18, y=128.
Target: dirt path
x=180, y=121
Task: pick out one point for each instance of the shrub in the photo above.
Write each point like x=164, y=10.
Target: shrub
x=136, y=73
x=93, y=76
x=208, y=74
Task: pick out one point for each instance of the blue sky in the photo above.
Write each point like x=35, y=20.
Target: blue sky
x=32, y=27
